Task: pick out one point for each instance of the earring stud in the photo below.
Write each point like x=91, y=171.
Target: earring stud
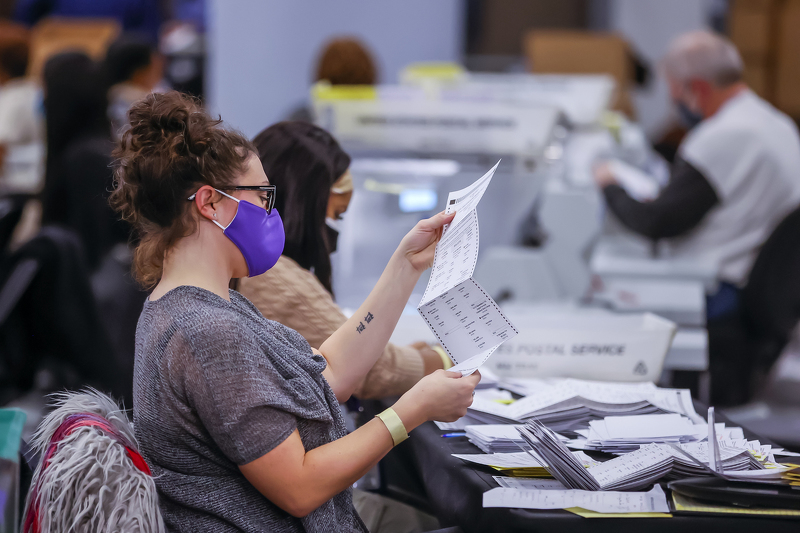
x=215, y=215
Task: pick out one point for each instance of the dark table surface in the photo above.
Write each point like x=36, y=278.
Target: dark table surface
x=455, y=490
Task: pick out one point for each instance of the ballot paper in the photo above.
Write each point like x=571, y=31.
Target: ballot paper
x=634, y=470
x=654, y=501
x=464, y=318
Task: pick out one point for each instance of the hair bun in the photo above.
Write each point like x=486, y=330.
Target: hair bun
x=171, y=121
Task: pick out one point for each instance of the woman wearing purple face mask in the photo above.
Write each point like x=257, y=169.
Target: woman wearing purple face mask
x=236, y=415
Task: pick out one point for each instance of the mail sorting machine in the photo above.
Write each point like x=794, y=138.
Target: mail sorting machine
x=413, y=144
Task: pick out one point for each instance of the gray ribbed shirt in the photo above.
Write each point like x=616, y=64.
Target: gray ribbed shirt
x=216, y=385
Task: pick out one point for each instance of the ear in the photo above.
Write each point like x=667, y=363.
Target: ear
x=205, y=200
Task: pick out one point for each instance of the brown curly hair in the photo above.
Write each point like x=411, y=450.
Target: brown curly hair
x=172, y=148
x=346, y=61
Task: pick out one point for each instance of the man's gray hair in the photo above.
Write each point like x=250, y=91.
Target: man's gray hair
x=703, y=55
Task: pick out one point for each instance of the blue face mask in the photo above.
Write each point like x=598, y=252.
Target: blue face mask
x=688, y=118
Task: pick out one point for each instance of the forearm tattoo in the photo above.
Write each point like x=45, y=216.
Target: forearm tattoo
x=361, y=326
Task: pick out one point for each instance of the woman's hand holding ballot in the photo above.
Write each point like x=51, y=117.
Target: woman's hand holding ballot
x=419, y=245
x=443, y=396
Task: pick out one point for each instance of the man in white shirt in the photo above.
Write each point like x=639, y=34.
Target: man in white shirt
x=735, y=177
x=21, y=122
x=737, y=173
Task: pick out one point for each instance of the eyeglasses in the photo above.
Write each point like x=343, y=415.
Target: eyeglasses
x=269, y=189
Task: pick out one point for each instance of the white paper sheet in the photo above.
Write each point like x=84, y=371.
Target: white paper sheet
x=518, y=459
x=636, y=183
x=529, y=483
x=465, y=319
x=503, y=460
x=644, y=459
x=455, y=258
x=466, y=200
x=654, y=501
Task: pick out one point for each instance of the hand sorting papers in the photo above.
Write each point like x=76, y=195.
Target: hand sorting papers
x=654, y=501
x=467, y=322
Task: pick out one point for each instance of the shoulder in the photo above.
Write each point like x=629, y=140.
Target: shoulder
x=203, y=319
x=273, y=329
x=745, y=126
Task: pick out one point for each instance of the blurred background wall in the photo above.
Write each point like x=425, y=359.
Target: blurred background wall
x=262, y=55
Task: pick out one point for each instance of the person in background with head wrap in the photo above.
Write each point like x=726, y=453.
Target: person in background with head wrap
x=343, y=61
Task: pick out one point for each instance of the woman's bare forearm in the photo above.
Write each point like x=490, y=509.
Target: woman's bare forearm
x=298, y=481
x=353, y=349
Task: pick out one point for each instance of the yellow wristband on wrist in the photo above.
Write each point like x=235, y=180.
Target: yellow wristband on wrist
x=395, y=426
x=446, y=361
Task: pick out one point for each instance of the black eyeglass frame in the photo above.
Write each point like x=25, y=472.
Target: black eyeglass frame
x=271, y=191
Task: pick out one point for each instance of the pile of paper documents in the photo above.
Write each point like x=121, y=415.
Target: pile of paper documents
x=731, y=458
x=631, y=471
x=621, y=434
x=520, y=464
x=648, y=464
x=496, y=438
x=568, y=404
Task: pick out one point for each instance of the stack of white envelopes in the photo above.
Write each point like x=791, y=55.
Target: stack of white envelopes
x=496, y=438
x=568, y=404
x=622, y=434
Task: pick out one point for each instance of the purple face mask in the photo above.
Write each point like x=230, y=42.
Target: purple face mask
x=258, y=235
